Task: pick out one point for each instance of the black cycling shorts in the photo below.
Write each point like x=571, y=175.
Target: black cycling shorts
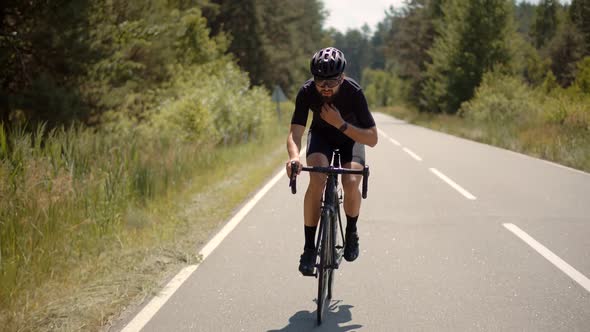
x=349, y=150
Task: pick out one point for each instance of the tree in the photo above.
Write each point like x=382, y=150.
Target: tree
x=564, y=50
x=380, y=39
x=580, y=15
x=412, y=35
x=242, y=21
x=525, y=16
x=43, y=46
x=545, y=24
x=64, y=61
x=272, y=42
x=356, y=46
x=473, y=38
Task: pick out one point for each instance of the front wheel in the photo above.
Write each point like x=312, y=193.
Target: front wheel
x=324, y=269
x=335, y=248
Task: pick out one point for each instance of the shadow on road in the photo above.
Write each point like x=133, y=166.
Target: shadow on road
x=334, y=320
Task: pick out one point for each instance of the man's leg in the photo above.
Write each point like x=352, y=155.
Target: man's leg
x=352, y=205
x=311, y=211
x=352, y=157
x=313, y=195
x=352, y=193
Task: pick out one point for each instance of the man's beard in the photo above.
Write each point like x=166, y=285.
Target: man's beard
x=327, y=99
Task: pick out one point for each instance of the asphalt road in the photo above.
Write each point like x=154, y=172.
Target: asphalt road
x=455, y=236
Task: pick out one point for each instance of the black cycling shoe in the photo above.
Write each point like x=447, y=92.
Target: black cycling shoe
x=351, y=249
x=307, y=262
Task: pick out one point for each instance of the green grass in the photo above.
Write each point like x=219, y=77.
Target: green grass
x=93, y=223
x=560, y=143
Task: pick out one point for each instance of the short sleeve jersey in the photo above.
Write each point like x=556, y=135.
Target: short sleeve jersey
x=350, y=101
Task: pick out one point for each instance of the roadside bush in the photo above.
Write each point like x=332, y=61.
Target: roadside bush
x=222, y=109
x=382, y=88
x=501, y=99
x=568, y=109
x=582, y=81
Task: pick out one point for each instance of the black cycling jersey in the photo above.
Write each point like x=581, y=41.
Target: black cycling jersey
x=350, y=101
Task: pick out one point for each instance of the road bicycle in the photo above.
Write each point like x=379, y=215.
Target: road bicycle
x=330, y=241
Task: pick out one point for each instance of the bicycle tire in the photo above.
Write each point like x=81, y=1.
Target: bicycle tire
x=323, y=269
x=334, y=243
x=327, y=253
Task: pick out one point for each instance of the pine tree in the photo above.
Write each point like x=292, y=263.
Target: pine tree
x=356, y=46
x=272, y=42
x=580, y=16
x=412, y=36
x=564, y=50
x=43, y=47
x=473, y=38
x=545, y=24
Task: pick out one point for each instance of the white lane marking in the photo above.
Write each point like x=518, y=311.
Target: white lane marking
x=389, y=138
x=395, y=142
x=216, y=240
x=146, y=314
x=158, y=301
x=550, y=256
x=563, y=166
x=450, y=182
x=411, y=153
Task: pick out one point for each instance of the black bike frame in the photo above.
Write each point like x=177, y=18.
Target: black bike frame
x=330, y=254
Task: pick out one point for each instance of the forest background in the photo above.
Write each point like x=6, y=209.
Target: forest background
x=122, y=123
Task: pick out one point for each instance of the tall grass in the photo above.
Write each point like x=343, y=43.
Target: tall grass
x=68, y=194
x=64, y=190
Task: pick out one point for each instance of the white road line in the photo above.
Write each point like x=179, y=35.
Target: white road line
x=550, y=256
x=395, y=142
x=381, y=132
x=389, y=138
x=411, y=153
x=159, y=300
x=216, y=240
x=563, y=166
x=450, y=182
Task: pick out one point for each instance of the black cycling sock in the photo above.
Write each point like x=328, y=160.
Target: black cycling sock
x=351, y=223
x=310, y=237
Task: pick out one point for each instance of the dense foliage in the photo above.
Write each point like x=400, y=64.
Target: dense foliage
x=95, y=61
x=442, y=49
x=473, y=38
x=272, y=42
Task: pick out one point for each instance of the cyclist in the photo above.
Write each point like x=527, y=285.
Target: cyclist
x=341, y=120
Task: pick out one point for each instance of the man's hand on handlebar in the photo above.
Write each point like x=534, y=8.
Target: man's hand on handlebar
x=288, y=166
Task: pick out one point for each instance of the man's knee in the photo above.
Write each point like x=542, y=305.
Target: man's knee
x=317, y=181
x=351, y=182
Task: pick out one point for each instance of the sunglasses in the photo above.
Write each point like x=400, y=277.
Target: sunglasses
x=331, y=83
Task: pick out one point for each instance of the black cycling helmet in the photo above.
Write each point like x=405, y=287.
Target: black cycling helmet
x=327, y=63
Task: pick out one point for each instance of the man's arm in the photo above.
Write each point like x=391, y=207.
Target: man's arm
x=294, y=145
x=367, y=136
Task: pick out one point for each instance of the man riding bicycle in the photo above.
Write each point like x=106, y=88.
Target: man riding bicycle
x=341, y=120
